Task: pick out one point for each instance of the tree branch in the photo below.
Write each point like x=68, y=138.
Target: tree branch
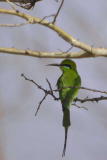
x=39, y=54
x=50, y=92
x=88, y=51
x=95, y=99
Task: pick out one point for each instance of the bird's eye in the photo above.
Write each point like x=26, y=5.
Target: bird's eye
x=67, y=66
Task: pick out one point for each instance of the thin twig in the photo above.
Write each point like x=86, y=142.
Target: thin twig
x=50, y=92
x=93, y=90
x=64, y=52
x=45, y=17
x=13, y=6
x=34, y=83
x=56, y=15
x=40, y=103
x=84, y=88
x=95, y=99
x=41, y=88
x=80, y=107
x=49, y=86
x=14, y=25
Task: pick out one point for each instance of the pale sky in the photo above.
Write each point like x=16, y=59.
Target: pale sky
x=24, y=137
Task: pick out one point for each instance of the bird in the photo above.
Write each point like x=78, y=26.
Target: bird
x=68, y=86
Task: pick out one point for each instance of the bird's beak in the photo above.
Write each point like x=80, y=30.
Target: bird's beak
x=54, y=64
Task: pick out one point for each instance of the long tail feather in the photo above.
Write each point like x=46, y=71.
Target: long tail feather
x=65, y=142
x=66, y=124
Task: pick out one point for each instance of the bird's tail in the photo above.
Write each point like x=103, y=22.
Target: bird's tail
x=66, y=124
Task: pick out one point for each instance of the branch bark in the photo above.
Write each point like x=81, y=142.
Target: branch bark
x=39, y=54
x=87, y=50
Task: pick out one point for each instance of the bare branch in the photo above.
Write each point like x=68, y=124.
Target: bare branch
x=95, y=99
x=50, y=92
x=85, y=88
x=80, y=107
x=59, y=9
x=27, y=79
x=11, y=4
x=28, y=52
x=14, y=25
x=49, y=86
x=40, y=103
x=93, y=90
x=88, y=51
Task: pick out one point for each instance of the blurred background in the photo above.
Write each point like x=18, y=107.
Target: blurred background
x=26, y=137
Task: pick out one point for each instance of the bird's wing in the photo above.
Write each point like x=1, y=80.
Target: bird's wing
x=68, y=94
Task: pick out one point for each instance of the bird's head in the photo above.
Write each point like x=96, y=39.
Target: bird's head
x=66, y=64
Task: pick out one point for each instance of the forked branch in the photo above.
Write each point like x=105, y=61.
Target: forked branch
x=51, y=93
x=87, y=50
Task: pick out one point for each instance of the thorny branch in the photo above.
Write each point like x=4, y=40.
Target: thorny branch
x=51, y=93
x=95, y=99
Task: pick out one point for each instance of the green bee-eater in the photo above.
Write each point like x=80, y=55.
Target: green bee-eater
x=68, y=85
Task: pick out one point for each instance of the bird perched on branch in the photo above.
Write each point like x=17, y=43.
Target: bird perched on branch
x=68, y=85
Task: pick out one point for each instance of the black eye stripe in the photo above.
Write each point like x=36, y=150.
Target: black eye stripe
x=66, y=65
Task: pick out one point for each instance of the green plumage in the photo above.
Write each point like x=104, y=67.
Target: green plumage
x=69, y=78
x=68, y=85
